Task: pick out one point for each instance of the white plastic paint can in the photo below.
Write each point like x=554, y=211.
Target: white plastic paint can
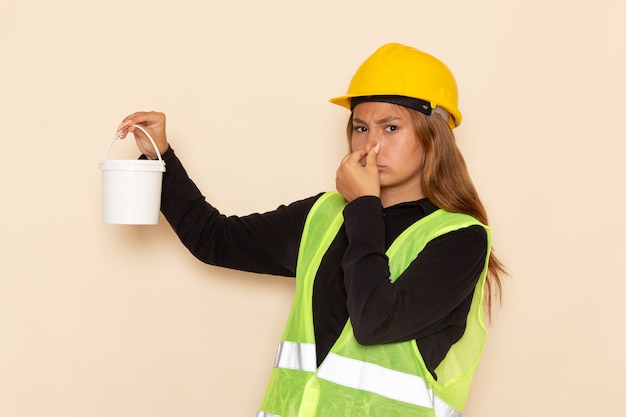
x=131, y=189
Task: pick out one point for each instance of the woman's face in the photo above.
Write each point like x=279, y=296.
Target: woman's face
x=401, y=155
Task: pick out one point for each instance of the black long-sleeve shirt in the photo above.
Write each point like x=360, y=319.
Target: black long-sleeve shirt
x=428, y=303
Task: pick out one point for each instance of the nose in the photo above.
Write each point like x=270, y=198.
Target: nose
x=372, y=140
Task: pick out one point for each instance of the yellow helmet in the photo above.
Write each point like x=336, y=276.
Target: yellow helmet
x=396, y=70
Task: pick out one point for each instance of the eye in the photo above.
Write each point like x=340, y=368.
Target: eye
x=360, y=129
x=391, y=128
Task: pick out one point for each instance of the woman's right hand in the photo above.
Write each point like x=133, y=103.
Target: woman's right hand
x=154, y=124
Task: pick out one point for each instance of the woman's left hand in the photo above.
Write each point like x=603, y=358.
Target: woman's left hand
x=154, y=123
x=357, y=174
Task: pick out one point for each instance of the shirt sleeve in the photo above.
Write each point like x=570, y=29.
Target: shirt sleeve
x=263, y=243
x=426, y=298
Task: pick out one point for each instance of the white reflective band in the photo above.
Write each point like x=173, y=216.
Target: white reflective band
x=383, y=381
x=374, y=378
x=443, y=409
x=298, y=356
x=264, y=414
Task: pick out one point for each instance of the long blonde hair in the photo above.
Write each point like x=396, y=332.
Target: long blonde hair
x=447, y=184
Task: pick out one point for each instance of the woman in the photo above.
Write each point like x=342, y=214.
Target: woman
x=387, y=317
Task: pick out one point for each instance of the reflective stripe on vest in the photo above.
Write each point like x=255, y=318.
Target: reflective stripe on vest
x=264, y=414
x=389, y=383
x=365, y=376
x=296, y=356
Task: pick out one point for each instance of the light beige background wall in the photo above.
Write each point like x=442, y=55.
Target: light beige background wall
x=102, y=320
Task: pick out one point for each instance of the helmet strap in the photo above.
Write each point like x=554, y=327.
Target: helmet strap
x=443, y=112
x=421, y=106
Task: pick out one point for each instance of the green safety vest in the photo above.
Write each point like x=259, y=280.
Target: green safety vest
x=389, y=380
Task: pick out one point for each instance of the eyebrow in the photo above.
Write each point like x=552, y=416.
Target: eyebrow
x=379, y=121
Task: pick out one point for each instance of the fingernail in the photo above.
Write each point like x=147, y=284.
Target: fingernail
x=377, y=148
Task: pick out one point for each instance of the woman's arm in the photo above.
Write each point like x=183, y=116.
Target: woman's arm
x=425, y=298
x=264, y=243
